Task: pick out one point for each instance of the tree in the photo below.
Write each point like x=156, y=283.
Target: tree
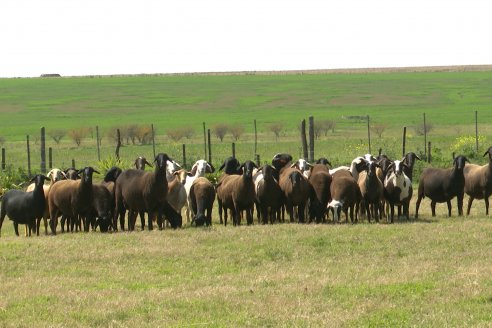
x=175, y=134
x=421, y=130
x=57, y=135
x=379, y=129
x=220, y=130
x=236, y=131
x=78, y=134
x=188, y=132
x=144, y=134
x=327, y=125
x=276, y=128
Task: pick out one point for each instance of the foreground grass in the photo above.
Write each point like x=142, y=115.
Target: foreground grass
x=422, y=273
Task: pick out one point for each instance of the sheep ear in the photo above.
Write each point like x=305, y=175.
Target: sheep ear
x=50, y=173
x=47, y=179
x=193, y=169
x=222, y=167
x=416, y=157
x=95, y=171
x=210, y=168
x=487, y=152
x=63, y=174
x=148, y=163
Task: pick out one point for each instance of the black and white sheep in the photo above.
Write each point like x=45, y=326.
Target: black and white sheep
x=24, y=207
x=478, y=182
x=442, y=185
x=398, y=189
x=409, y=161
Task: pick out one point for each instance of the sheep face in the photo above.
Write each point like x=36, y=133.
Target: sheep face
x=248, y=168
x=280, y=160
x=371, y=168
x=172, y=166
x=201, y=167
x=56, y=175
x=87, y=174
x=323, y=161
x=410, y=158
x=103, y=224
x=267, y=171
x=140, y=163
x=161, y=161
x=459, y=162
x=72, y=174
x=302, y=165
x=336, y=208
x=39, y=181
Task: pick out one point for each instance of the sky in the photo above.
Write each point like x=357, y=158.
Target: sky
x=101, y=37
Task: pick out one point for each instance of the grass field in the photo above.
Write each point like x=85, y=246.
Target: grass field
x=398, y=99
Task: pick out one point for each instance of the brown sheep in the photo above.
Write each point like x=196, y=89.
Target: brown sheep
x=268, y=195
x=371, y=190
x=237, y=193
x=202, y=194
x=320, y=180
x=345, y=194
x=295, y=191
x=478, y=182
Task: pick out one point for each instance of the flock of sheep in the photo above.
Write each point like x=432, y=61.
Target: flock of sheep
x=308, y=192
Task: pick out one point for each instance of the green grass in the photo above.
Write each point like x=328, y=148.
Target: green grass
x=423, y=273
x=449, y=100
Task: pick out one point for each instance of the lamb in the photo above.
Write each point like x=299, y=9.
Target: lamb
x=345, y=194
x=371, y=190
x=197, y=170
x=409, y=161
x=303, y=166
x=237, y=193
x=72, y=199
x=54, y=175
x=398, y=189
x=140, y=163
x=71, y=173
x=24, y=207
x=320, y=180
x=145, y=191
x=442, y=185
x=202, y=194
x=295, y=191
x=478, y=182
x=268, y=195
x=176, y=196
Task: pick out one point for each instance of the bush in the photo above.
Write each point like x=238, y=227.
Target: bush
x=12, y=178
x=465, y=145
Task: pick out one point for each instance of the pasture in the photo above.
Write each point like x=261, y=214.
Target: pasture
x=427, y=272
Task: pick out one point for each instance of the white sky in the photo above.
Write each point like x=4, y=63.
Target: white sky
x=73, y=37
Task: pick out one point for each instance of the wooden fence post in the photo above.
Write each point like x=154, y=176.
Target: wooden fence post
x=3, y=159
x=233, y=150
x=118, y=144
x=184, y=155
x=73, y=162
x=311, y=139
x=368, y=134
x=476, y=132
x=304, y=140
x=50, y=157
x=425, y=137
x=204, y=140
x=153, y=139
x=28, y=157
x=257, y=158
x=256, y=138
x=43, y=151
x=404, y=139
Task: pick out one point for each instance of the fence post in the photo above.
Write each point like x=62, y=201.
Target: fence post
x=368, y=134
x=256, y=138
x=50, y=157
x=476, y=132
x=429, y=153
x=118, y=144
x=304, y=140
x=97, y=143
x=204, y=140
x=3, y=159
x=311, y=139
x=73, y=162
x=43, y=151
x=404, y=139
x=28, y=157
x=184, y=155
x=153, y=139
x=209, y=148
x=257, y=158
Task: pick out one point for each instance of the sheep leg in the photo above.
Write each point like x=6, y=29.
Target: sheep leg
x=460, y=205
x=392, y=212
x=486, y=199
x=16, y=229
x=368, y=212
x=433, y=208
x=449, y=207
x=417, y=205
x=301, y=212
x=249, y=215
x=406, y=211
x=470, y=201
x=220, y=211
x=142, y=220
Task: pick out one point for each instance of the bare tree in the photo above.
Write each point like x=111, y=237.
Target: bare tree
x=220, y=130
x=420, y=129
x=379, y=129
x=144, y=134
x=328, y=125
x=57, y=135
x=175, y=134
x=276, y=128
x=78, y=134
x=188, y=132
x=237, y=131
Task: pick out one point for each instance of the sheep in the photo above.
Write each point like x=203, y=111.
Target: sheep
x=398, y=189
x=72, y=198
x=324, y=161
x=231, y=166
x=54, y=175
x=202, y=194
x=102, y=209
x=303, y=166
x=141, y=191
x=71, y=173
x=24, y=207
x=371, y=190
x=268, y=195
x=478, y=182
x=140, y=163
x=295, y=191
x=409, y=161
x=345, y=195
x=176, y=196
x=320, y=180
x=358, y=165
x=442, y=185
x=237, y=193
x=197, y=170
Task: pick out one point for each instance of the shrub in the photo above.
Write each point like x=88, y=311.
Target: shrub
x=465, y=145
x=12, y=178
x=220, y=130
x=78, y=134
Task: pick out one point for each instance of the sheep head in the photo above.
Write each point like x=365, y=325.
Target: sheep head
x=87, y=174
x=201, y=167
x=323, y=161
x=280, y=160
x=112, y=174
x=140, y=163
x=336, y=207
x=160, y=161
x=38, y=180
x=56, y=175
x=247, y=168
x=489, y=152
x=459, y=162
x=231, y=166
